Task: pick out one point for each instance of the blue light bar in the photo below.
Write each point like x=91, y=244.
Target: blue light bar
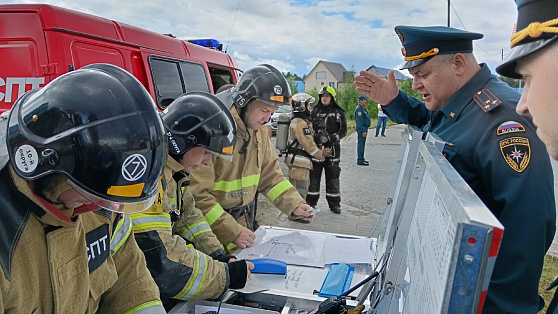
x=209, y=43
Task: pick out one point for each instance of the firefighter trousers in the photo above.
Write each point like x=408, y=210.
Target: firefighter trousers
x=332, y=171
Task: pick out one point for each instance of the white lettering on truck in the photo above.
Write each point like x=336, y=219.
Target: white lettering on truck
x=21, y=83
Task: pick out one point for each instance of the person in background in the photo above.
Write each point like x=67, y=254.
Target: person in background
x=302, y=147
x=362, y=123
x=382, y=121
x=183, y=255
x=225, y=191
x=533, y=58
x=69, y=170
x=494, y=149
x=330, y=126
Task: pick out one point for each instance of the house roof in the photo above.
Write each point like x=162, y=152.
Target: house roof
x=336, y=69
x=398, y=75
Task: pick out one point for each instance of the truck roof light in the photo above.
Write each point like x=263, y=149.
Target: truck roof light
x=209, y=43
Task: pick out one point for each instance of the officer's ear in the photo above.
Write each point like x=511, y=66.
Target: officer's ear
x=459, y=63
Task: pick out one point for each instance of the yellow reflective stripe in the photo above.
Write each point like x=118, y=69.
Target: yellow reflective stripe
x=190, y=245
x=229, y=186
x=278, y=190
x=214, y=214
x=195, y=285
x=146, y=221
x=231, y=247
x=196, y=229
x=148, y=307
x=121, y=233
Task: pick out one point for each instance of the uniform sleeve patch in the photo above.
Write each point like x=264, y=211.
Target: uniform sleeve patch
x=516, y=152
x=307, y=131
x=510, y=127
x=486, y=100
x=360, y=113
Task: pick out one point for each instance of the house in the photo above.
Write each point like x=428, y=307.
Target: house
x=325, y=73
x=383, y=73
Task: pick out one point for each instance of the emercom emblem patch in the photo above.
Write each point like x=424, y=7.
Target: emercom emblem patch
x=516, y=152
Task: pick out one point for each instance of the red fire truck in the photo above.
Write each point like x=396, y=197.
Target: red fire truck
x=40, y=42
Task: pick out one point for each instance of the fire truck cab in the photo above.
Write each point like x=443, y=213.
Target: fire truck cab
x=39, y=42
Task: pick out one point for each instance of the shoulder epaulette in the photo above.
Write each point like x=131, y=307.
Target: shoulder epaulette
x=486, y=100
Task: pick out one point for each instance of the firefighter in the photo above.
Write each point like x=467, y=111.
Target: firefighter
x=225, y=191
x=189, y=266
x=69, y=169
x=302, y=147
x=330, y=126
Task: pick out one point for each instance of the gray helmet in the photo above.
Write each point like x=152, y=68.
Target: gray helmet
x=199, y=119
x=300, y=102
x=262, y=82
x=99, y=127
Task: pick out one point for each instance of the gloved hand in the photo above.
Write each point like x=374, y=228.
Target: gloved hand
x=239, y=272
x=326, y=152
x=224, y=258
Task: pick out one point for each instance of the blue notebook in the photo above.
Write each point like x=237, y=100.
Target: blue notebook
x=337, y=281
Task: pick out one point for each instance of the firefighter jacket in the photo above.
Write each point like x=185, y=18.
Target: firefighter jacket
x=302, y=147
x=55, y=264
x=331, y=120
x=174, y=248
x=224, y=185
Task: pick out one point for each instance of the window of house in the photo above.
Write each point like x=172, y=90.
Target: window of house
x=331, y=84
x=320, y=75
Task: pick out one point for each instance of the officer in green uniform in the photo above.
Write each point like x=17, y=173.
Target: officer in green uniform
x=362, y=123
x=493, y=148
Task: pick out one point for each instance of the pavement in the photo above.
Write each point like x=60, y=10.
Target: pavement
x=364, y=189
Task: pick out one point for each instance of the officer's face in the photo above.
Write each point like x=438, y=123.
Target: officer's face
x=326, y=99
x=194, y=158
x=258, y=114
x=362, y=102
x=436, y=80
x=539, y=98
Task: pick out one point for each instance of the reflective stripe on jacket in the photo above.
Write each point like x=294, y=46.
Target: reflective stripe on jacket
x=180, y=270
x=224, y=185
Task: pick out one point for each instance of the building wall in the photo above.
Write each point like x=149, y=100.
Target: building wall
x=311, y=82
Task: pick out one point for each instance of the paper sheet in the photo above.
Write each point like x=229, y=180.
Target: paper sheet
x=341, y=249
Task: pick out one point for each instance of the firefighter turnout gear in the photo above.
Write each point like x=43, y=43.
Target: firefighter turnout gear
x=224, y=185
x=179, y=253
x=330, y=126
x=55, y=263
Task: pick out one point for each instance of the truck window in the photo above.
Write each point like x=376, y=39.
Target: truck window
x=220, y=77
x=173, y=78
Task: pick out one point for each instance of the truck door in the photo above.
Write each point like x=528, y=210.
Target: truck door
x=24, y=64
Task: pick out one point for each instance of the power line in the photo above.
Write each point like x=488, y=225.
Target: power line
x=465, y=28
x=235, y=13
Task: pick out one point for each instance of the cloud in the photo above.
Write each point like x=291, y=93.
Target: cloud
x=291, y=34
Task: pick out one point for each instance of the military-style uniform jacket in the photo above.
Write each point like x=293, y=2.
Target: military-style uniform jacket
x=362, y=119
x=224, y=185
x=174, y=251
x=302, y=145
x=54, y=264
x=500, y=156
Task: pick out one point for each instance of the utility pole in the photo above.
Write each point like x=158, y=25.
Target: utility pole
x=449, y=12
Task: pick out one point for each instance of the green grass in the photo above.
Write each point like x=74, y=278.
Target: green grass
x=351, y=125
x=550, y=271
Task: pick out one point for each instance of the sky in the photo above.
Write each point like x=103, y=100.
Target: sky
x=293, y=35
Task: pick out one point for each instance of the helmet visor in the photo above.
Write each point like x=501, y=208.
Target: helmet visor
x=118, y=207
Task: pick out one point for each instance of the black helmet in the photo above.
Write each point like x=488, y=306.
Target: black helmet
x=199, y=119
x=327, y=90
x=262, y=82
x=99, y=127
x=300, y=102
